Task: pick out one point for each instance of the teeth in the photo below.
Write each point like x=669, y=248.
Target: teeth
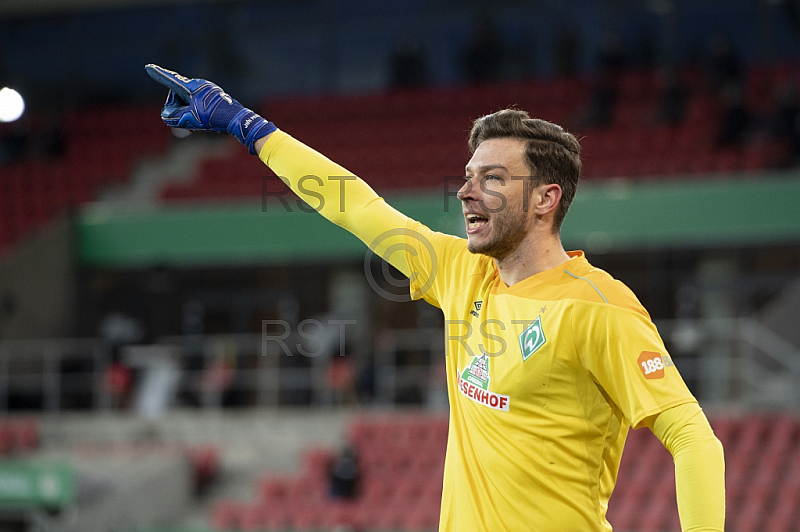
x=474, y=220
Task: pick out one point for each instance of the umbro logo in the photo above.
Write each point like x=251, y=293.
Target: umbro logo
x=477, y=309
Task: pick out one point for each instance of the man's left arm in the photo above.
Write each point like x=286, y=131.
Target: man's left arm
x=625, y=355
x=699, y=466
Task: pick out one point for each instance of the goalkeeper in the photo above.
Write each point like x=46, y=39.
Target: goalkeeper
x=549, y=360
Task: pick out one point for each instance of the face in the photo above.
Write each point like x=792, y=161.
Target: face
x=494, y=197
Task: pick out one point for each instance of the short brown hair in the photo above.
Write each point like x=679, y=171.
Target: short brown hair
x=552, y=154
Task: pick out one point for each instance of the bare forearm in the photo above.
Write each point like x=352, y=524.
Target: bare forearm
x=260, y=143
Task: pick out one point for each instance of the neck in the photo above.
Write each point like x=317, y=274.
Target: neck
x=535, y=254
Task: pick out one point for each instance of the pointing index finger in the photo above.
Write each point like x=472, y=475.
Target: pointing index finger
x=172, y=80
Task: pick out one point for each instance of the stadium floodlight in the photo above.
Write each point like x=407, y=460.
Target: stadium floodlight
x=11, y=105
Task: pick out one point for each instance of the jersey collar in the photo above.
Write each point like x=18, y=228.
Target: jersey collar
x=577, y=265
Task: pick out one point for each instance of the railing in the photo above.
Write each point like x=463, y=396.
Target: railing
x=730, y=362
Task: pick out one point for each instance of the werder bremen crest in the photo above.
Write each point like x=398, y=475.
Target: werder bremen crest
x=473, y=382
x=532, y=338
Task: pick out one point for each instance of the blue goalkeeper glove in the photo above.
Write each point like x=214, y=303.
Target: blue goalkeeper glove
x=200, y=104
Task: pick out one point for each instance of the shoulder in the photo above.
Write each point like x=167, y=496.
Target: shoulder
x=593, y=284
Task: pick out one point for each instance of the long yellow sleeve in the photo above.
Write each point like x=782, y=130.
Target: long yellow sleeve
x=699, y=466
x=339, y=196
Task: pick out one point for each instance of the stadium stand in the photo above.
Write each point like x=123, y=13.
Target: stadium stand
x=99, y=147
x=332, y=53
x=414, y=139
x=18, y=436
x=72, y=476
x=401, y=139
x=402, y=455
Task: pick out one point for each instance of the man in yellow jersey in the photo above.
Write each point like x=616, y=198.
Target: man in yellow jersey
x=549, y=360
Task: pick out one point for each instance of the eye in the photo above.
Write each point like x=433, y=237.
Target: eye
x=490, y=177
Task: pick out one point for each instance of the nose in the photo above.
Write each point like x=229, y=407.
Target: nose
x=466, y=191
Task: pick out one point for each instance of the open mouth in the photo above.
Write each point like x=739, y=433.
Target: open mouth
x=476, y=221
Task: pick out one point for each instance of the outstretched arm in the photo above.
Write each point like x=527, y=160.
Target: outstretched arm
x=699, y=466
x=338, y=195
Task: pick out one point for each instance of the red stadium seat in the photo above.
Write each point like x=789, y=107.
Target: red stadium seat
x=414, y=139
x=640, y=85
x=763, y=480
x=225, y=515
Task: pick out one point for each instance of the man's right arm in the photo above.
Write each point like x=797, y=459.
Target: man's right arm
x=198, y=104
x=338, y=195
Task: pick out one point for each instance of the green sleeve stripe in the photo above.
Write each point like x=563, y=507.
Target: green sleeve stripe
x=588, y=281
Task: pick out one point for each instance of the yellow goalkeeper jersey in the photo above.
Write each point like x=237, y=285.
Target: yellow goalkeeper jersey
x=544, y=378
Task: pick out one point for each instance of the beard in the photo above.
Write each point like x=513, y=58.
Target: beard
x=509, y=228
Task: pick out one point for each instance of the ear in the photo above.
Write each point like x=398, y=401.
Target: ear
x=546, y=199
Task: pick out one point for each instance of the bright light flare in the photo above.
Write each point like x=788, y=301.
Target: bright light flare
x=11, y=105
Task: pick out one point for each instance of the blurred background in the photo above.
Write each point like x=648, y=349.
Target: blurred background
x=184, y=346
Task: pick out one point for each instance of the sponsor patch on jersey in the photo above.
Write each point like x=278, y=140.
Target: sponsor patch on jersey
x=532, y=338
x=653, y=364
x=473, y=382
